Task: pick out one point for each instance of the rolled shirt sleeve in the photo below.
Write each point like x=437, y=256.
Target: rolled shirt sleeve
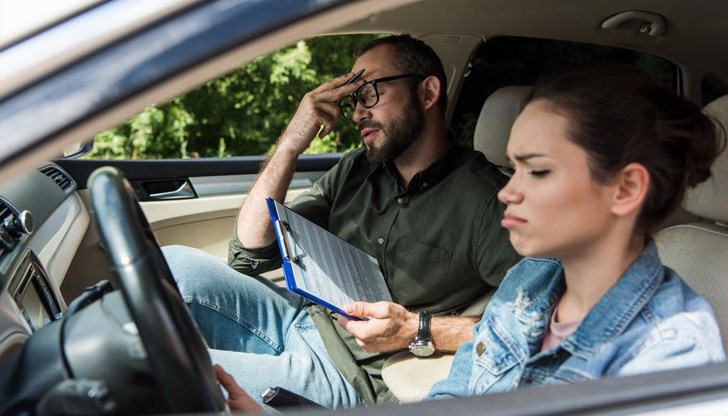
x=313, y=204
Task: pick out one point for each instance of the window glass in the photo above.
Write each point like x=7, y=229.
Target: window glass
x=242, y=113
x=504, y=61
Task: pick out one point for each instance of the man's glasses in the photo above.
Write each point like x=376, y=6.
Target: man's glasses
x=367, y=95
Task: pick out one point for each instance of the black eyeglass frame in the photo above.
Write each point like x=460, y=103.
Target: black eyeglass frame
x=374, y=82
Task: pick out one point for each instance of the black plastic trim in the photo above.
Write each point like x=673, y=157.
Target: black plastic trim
x=136, y=170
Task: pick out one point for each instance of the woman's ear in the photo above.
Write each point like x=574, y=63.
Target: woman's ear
x=430, y=92
x=630, y=189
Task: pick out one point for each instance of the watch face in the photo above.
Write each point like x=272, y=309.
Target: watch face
x=422, y=350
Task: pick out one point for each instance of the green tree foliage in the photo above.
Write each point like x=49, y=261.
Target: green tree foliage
x=242, y=113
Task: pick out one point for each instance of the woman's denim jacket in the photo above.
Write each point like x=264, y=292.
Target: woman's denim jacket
x=650, y=320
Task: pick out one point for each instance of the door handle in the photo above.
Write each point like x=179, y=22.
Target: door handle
x=184, y=191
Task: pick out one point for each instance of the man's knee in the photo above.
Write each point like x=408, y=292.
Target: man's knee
x=194, y=269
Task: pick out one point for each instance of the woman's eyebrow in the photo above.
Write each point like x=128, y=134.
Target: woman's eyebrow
x=525, y=157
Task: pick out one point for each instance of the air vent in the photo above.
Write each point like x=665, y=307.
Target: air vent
x=58, y=176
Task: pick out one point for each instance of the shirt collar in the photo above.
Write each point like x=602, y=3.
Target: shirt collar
x=620, y=305
x=452, y=159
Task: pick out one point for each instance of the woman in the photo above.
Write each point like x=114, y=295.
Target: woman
x=602, y=156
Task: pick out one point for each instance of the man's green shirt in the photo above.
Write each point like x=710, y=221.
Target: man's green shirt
x=438, y=242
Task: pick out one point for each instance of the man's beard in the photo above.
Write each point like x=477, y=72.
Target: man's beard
x=399, y=134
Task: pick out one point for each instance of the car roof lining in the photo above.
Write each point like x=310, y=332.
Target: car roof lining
x=566, y=20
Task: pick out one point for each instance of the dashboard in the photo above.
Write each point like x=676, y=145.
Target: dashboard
x=42, y=224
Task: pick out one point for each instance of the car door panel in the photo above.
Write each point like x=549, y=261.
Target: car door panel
x=204, y=219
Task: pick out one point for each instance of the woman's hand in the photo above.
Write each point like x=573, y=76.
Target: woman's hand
x=238, y=399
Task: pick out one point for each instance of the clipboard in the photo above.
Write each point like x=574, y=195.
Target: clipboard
x=322, y=267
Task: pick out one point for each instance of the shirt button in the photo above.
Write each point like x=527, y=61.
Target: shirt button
x=424, y=184
x=380, y=240
x=400, y=200
x=480, y=348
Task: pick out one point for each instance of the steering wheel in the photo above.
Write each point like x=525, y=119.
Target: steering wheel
x=175, y=348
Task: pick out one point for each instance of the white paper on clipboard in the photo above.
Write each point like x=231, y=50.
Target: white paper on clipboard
x=322, y=267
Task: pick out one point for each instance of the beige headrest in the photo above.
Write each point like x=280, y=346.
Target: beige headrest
x=710, y=199
x=496, y=119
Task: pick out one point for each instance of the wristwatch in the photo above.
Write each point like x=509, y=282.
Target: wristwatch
x=422, y=346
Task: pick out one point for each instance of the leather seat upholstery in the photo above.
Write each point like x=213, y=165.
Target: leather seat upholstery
x=698, y=250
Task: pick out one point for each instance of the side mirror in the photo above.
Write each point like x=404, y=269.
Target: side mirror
x=77, y=150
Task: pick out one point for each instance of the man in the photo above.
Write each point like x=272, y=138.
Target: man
x=425, y=207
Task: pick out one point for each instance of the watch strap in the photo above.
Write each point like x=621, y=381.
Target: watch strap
x=423, y=331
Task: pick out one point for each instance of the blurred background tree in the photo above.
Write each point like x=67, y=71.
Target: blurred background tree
x=242, y=113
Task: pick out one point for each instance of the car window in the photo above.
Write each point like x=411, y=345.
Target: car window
x=239, y=114
x=504, y=61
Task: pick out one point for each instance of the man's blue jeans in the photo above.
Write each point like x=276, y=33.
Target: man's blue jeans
x=258, y=332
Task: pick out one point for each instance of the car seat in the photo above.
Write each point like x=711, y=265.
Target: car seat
x=495, y=121
x=698, y=250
